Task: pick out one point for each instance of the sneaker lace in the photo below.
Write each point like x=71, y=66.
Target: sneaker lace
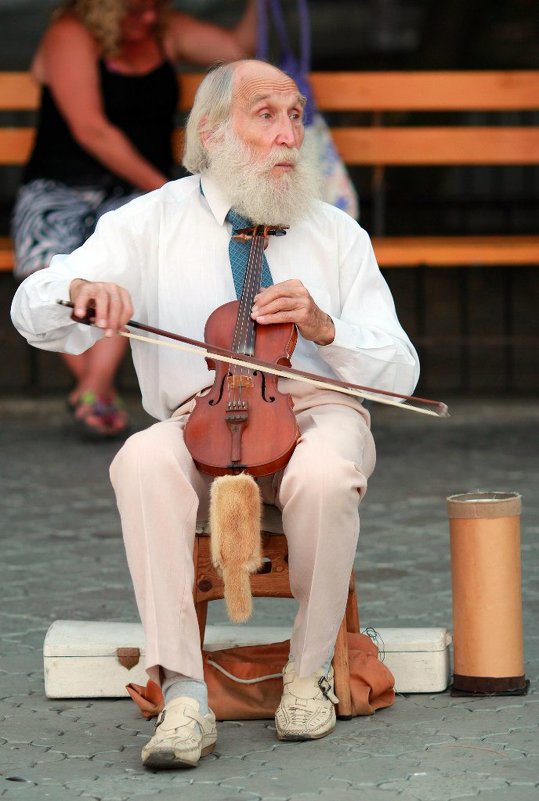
x=299, y=714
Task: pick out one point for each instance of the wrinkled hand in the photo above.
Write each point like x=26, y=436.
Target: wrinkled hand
x=290, y=302
x=112, y=303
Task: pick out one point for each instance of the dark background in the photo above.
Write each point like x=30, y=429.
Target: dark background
x=449, y=312
x=353, y=34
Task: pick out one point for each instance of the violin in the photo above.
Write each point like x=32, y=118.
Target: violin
x=244, y=423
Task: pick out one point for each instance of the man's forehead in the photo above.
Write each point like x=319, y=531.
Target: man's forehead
x=250, y=90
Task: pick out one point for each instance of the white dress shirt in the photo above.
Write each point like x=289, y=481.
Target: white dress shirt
x=169, y=249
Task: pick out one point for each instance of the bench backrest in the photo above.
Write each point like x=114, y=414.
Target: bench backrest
x=380, y=140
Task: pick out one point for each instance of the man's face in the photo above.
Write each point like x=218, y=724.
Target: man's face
x=255, y=156
x=267, y=115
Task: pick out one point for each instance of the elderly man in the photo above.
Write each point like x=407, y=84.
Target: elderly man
x=165, y=259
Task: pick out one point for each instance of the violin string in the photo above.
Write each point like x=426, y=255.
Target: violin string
x=252, y=277
x=282, y=373
x=238, y=333
x=234, y=395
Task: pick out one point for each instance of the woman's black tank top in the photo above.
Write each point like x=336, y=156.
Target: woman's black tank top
x=142, y=106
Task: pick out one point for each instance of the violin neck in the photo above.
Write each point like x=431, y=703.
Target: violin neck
x=244, y=333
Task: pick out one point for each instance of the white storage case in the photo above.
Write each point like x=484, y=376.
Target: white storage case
x=96, y=659
x=418, y=658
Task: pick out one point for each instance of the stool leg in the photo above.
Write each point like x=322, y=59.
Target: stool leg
x=341, y=666
x=202, y=614
x=352, y=612
x=201, y=607
x=342, y=674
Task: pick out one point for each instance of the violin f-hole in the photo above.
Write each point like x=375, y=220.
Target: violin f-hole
x=215, y=401
x=265, y=397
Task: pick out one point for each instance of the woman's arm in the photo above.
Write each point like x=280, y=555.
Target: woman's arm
x=189, y=39
x=67, y=63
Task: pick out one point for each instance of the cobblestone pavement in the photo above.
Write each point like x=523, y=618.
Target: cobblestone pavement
x=62, y=557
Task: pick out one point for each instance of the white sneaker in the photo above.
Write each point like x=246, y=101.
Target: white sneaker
x=182, y=736
x=307, y=710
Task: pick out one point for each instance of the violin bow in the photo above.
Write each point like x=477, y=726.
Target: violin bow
x=384, y=396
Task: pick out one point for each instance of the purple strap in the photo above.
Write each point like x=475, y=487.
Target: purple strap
x=262, y=26
x=298, y=69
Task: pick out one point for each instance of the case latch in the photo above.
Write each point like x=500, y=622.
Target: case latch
x=128, y=657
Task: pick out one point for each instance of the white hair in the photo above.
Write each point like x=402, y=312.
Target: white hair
x=211, y=110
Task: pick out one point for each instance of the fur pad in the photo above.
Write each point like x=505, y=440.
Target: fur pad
x=236, y=548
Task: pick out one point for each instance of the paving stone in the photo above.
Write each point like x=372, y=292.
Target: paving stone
x=64, y=558
x=515, y=792
x=428, y=786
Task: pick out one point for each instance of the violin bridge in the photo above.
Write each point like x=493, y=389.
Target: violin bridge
x=237, y=381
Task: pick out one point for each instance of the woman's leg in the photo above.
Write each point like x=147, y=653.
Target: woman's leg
x=96, y=369
x=51, y=218
x=95, y=372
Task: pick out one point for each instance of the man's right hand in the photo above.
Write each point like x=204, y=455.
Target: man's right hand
x=112, y=303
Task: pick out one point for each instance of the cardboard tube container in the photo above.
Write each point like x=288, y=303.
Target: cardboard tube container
x=488, y=656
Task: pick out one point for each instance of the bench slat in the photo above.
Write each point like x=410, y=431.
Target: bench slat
x=432, y=251
x=15, y=145
x=361, y=91
x=427, y=91
x=6, y=254
x=516, y=90
x=371, y=146
x=456, y=251
x=424, y=146
x=18, y=91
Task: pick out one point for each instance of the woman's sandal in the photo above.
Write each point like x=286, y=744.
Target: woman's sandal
x=99, y=418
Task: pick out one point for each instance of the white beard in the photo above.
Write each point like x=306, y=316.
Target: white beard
x=253, y=191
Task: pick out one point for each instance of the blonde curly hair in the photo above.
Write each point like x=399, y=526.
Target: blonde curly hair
x=103, y=19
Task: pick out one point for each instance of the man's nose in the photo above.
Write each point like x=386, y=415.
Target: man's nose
x=286, y=134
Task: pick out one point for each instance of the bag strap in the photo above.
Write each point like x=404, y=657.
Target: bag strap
x=237, y=679
x=304, y=62
x=262, y=44
x=297, y=68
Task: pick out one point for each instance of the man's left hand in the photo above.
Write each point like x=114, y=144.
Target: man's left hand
x=290, y=302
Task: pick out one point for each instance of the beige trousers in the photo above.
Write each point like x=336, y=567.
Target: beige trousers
x=160, y=494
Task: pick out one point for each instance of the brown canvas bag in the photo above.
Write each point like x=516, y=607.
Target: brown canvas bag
x=245, y=682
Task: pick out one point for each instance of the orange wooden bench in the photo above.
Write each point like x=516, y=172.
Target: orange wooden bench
x=377, y=145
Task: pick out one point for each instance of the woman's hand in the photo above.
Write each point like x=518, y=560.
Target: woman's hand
x=290, y=302
x=110, y=302
x=190, y=39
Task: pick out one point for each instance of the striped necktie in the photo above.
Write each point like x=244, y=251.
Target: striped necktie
x=238, y=252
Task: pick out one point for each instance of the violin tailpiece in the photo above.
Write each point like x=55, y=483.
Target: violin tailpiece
x=235, y=544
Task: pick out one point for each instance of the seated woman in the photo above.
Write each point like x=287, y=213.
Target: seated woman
x=109, y=96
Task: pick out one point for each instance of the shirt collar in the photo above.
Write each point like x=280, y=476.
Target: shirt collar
x=216, y=198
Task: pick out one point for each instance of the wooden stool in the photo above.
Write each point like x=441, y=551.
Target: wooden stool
x=272, y=581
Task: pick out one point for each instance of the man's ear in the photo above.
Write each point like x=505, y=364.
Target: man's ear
x=206, y=139
x=207, y=134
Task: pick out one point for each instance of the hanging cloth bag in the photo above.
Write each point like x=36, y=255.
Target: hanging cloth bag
x=336, y=185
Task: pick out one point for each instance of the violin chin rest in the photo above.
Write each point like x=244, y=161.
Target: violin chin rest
x=235, y=540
